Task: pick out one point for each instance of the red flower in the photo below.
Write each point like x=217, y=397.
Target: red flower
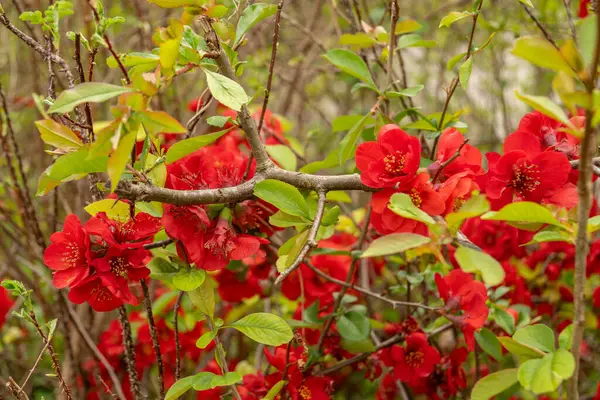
x=456, y=379
x=463, y=294
x=417, y=360
x=195, y=104
x=584, y=12
x=469, y=159
x=222, y=244
x=237, y=286
x=456, y=190
x=104, y=292
x=133, y=232
x=125, y=263
x=187, y=224
x=69, y=255
x=393, y=159
x=522, y=177
x=6, y=304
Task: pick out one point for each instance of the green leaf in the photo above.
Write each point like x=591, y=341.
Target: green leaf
x=519, y=349
x=489, y=343
x=70, y=167
x=189, y=279
x=565, y=339
x=351, y=64
x=118, y=159
x=58, y=135
x=284, y=220
x=474, y=207
x=454, y=60
x=504, y=320
x=331, y=216
x=188, y=146
x=586, y=34
x=454, y=16
x=204, y=298
x=274, y=391
x=538, y=336
x=160, y=122
x=360, y=40
x=283, y=156
x=253, y=15
x=394, y=243
x=408, y=92
x=133, y=59
x=283, y=196
x=523, y=213
x=89, y=92
x=402, y=204
x=168, y=53
x=347, y=146
x=226, y=91
x=471, y=260
x=542, y=53
x=493, y=384
x=173, y=3
x=353, y=325
x=180, y=387
x=207, y=380
x=118, y=210
x=407, y=26
x=205, y=339
x=550, y=236
x=264, y=328
x=527, y=3
x=546, y=107
x=217, y=120
x=546, y=374
x=414, y=40
x=464, y=72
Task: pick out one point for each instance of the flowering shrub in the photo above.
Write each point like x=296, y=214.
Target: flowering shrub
x=223, y=259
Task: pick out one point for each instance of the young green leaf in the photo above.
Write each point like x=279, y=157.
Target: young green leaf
x=218, y=120
x=542, y=53
x=188, y=146
x=523, y=212
x=394, y=243
x=489, y=343
x=454, y=16
x=347, y=146
x=205, y=339
x=353, y=326
x=464, y=72
x=118, y=210
x=173, y=3
x=407, y=26
x=408, y=92
x=179, y=388
x=189, y=279
x=226, y=91
x=351, y=64
x=58, y=135
x=521, y=350
x=494, y=384
x=264, y=328
x=89, y=92
x=546, y=374
x=274, y=391
x=402, y=204
x=252, y=15
x=538, y=336
x=471, y=260
x=118, y=159
x=546, y=107
x=159, y=121
x=565, y=339
x=283, y=196
x=283, y=156
x=204, y=298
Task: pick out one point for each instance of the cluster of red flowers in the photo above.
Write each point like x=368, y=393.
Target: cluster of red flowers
x=98, y=261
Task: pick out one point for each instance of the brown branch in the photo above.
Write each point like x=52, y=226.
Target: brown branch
x=541, y=27
x=155, y=343
x=584, y=189
x=93, y=348
x=156, y=245
x=176, y=333
x=130, y=354
x=311, y=242
x=263, y=162
x=392, y=42
x=456, y=81
x=387, y=343
x=349, y=277
x=52, y=353
x=367, y=292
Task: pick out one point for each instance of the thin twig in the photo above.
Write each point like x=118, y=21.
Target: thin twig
x=584, y=189
x=153, y=334
x=349, y=277
x=392, y=41
x=160, y=243
x=176, y=333
x=448, y=161
x=311, y=242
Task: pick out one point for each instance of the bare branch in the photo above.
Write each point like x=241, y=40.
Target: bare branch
x=311, y=242
x=153, y=334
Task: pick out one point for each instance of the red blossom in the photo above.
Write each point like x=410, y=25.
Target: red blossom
x=462, y=294
x=6, y=304
x=103, y=291
x=415, y=360
x=393, y=159
x=69, y=254
x=132, y=232
x=468, y=160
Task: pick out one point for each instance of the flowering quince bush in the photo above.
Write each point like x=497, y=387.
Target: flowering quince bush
x=221, y=259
